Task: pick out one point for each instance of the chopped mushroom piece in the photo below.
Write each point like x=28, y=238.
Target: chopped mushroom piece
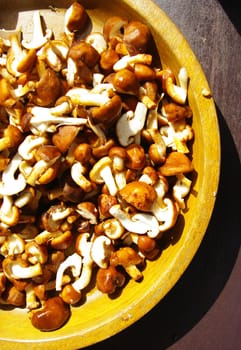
x=129, y=259
x=38, y=38
x=102, y=173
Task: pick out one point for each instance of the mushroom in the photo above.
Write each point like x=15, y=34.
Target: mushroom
x=105, y=202
x=102, y=173
x=124, y=81
x=51, y=316
x=19, y=60
x=166, y=214
x=13, y=245
x=112, y=228
x=75, y=19
x=88, y=211
x=7, y=99
x=38, y=38
x=109, y=279
x=137, y=37
x=140, y=223
x=86, y=97
x=128, y=258
x=17, y=269
x=83, y=247
x=11, y=137
x=10, y=184
x=101, y=250
x=177, y=92
x=108, y=113
x=48, y=88
x=82, y=57
x=98, y=41
x=44, y=120
x=113, y=27
x=52, y=219
x=176, y=163
x=30, y=143
x=54, y=52
x=77, y=174
x=128, y=61
x=157, y=150
x=148, y=247
x=130, y=124
x=139, y=194
x=73, y=262
x=70, y=295
x=14, y=297
x=136, y=157
x=36, y=253
x=181, y=189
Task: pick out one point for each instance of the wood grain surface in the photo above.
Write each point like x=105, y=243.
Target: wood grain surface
x=203, y=312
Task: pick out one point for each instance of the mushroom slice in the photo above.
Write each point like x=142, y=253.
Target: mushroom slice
x=74, y=262
x=101, y=250
x=38, y=38
x=102, y=173
x=17, y=269
x=130, y=124
x=140, y=223
x=10, y=185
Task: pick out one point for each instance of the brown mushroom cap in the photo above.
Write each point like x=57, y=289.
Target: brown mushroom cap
x=107, y=280
x=176, y=112
x=137, y=37
x=78, y=18
x=135, y=157
x=113, y=27
x=125, y=81
x=51, y=316
x=109, y=112
x=139, y=194
x=85, y=53
x=176, y=163
x=64, y=137
x=48, y=88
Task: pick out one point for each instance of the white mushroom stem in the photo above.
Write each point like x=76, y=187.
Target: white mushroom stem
x=86, y=97
x=74, y=262
x=101, y=250
x=127, y=60
x=10, y=184
x=166, y=215
x=38, y=38
x=30, y=142
x=98, y=41
x=86, y=273
x=181, y=189
x=109, y=180
x=14, y=270
x=77, y=174
x=130, y=124
x=31, y=299
x=13, y=245
x=44, y=120
x=140, y=223
x=9, y=213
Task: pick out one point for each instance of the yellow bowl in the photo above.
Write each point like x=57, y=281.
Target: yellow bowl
x=101, y=317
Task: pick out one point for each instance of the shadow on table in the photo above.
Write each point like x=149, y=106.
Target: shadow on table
x=205, y=278
x=233, y=10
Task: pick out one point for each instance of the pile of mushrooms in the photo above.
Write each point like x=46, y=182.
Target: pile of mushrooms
x=95, y=162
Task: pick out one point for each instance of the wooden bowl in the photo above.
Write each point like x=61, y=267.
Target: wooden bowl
x=100, y=316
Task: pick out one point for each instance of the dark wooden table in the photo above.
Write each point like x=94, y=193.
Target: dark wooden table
x=203, y=311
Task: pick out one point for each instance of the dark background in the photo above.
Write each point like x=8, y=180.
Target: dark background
x=203, y=311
